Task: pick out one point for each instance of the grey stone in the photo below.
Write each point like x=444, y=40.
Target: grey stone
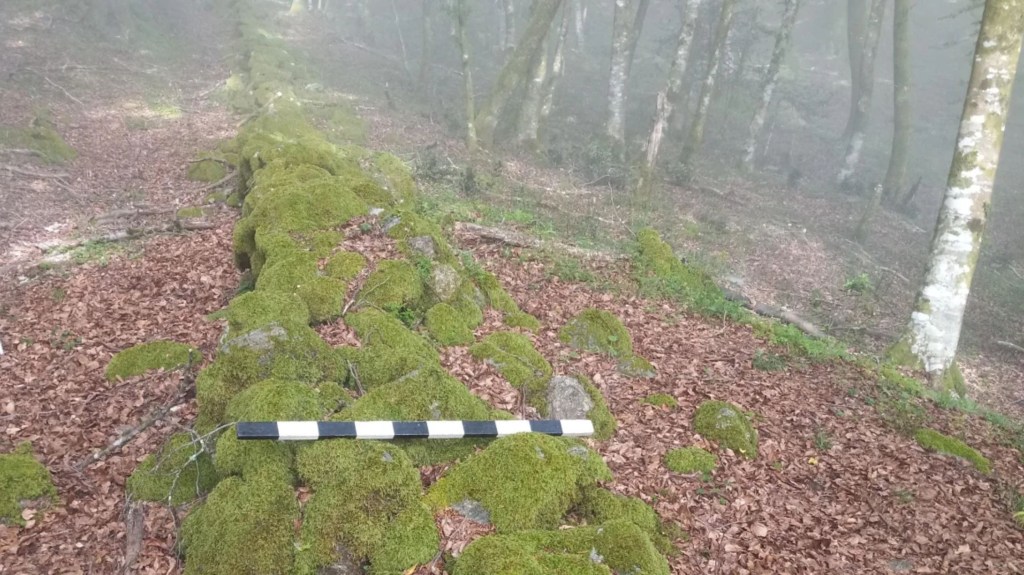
x=390, y=223
x=901, y=565
x=261, y=339
x=343, y=565
x=444, y=281
x=568, y=399
x=579, y=451
x=473, y=511
x=423, y=246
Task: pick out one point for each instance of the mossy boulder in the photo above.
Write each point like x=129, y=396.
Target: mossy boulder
x=446, y=325
x=256, y=309
x=41, y=136
x=661, y=273
x=690, y=460
x=431, y=394
x=298, y=274
x=602, y=506
x=390, y=350
x=598, y=331
x=365, y=500
x=514, y=356
x=271, y=400
x=934, y=441
x=727, y=425
x=22, y=479
x=274, y=351
x=243, y=527
x=137, y=360
x=345, y=266
x=394, y=176
x=207, y=171
x=616, y=547
x=525, y=481
x=394, y=284
x=180, y=472
x=578, y=398
x=636, y=366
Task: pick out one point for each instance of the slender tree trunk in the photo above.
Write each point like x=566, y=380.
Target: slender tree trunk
x=666, y=100
x=509, y=18
x=897, y=172
x=696, y=136
x=933, y=333
x=856, y=35
x=896, y=175
x=557, y=63
x=625, y=34
x=427, y=51
x=581, y=23
x=467, y=73
x=514, y=74
x=771, y=79
x=859, y=119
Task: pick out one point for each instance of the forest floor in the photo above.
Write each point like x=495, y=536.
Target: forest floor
x=835, y=488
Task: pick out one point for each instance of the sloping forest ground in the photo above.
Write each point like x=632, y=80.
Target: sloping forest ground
x=835, y=489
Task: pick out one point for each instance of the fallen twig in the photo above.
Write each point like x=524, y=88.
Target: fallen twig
x=23, y=152
x=134, y=528
x=34, y=174
x=129, y=434
x=219, y=183
x=141, y=210
x=1012, y=346
x=66, y=93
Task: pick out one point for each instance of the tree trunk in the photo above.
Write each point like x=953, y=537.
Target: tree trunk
x=859, y=119
x=771, y=79
x=529, y=113
x=580, y=9
x=426, y=53
x=696, y=136
x=509, y=18
x=896, y=175
x=514, y=74
x=933, y=333
x=467, y=74
x=856, y=34
x=626, y=27
x=557, y=63
x=666, y=100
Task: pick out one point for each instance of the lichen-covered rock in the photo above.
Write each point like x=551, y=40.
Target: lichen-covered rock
x=366, y=498
x=598, y=331
x=243, y=527
x=727, y=425
x=180, y=472
x=447, y=326
x=690, y=460
x=395, y=283
x=524, y=481
x=422, y=246
x=934, y=441
x=444, y=282
x=22, y=479
x=567, y=398
x=150, y=356
x=431, y=394
x=636, y=366
x=514, y=356
x=616, y=547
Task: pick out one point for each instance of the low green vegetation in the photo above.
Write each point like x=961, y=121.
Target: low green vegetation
x=727, y=425
x=602, y=418
x=23, y=479
x=598, y=331
x=207, y=171
x=602, y=506
x=514, y=356
x=934, y=441
x=180, y=472
x=768, y=361
x=690, y=460
x=661, y=400
x=166, y=355
x=447, y=325
x=860, y=283
x=41, y=137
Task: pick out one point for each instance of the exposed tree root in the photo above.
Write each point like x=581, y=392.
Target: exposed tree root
x=518, y=239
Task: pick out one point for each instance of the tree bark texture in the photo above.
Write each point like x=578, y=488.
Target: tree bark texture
x=856, y=34
x=934, y=330
x=896, y=175
x=771, y=80
x=557, y=62
x=467, y=73
x=859, y=118
x=515, y=72
x=625, y=34
x=667, y=97
x=700, y=117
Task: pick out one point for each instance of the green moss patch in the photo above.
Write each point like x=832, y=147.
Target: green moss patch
x=299, y=275
x=524, y=481
x=601, y=506
x=514, y=356
x=22, y=478
x=207, y=171
x=690, y=460
x=345, y=266
x=144, y=357
x=180, y=472
x=394, y=284
x=728, y=425
x=934, y=441
x=602, y=418
x=447, y=326
x=366, y=499
x=636, y=366
x=660, y=273
x=40, y=136
x=614, y=547
x=243, y=527
x=497, y=298
x=661, y=400
x=431, y=394
x=598, y=331
x=390, y=350
x=257, y=309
